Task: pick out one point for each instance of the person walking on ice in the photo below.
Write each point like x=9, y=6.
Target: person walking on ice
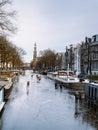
x=27, y=87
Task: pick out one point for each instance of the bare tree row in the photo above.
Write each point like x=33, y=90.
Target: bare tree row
x=10, y=55
x=47, y=60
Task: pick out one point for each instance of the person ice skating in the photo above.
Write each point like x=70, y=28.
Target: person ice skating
x=38, y=77
x=28, y=83
x=32, y=75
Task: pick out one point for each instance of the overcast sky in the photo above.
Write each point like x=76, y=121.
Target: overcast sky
x=54, y=24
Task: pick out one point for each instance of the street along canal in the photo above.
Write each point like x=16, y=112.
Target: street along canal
x=39, y=106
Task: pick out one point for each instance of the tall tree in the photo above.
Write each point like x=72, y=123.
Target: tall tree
x=6, y=16
x=47, y=60
x=10, y=54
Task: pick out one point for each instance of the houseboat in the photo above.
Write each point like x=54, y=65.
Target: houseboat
x=1, y=97
x=52, y=75
x=6, y=80
x=7, y=83
x=69, y=79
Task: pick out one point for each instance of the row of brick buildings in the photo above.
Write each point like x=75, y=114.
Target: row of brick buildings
x=82, y=57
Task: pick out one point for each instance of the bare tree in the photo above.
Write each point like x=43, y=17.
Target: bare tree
x=10, y=54
x=47, y=60
x=17, y=56
x=6, y=16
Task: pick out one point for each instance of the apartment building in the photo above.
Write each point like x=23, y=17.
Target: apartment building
x=89, y=55
x=73, y=54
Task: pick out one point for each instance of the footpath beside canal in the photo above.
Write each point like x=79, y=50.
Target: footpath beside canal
x=45, y=108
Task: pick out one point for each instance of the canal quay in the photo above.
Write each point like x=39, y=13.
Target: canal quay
x=41, y=106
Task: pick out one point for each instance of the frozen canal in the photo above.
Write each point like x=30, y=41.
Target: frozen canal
x=44, y=108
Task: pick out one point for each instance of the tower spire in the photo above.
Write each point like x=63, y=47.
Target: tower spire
x=35, y=52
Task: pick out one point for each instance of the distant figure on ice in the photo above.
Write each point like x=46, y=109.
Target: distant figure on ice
x=38, y=77
x=27, y=87
x=32, y=75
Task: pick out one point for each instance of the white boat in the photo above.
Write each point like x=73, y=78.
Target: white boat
x=67, y=76
x=70, y=80
x=7, y=83
x=2, y=103
x=52, y=75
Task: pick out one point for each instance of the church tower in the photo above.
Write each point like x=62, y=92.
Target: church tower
x=35, y=53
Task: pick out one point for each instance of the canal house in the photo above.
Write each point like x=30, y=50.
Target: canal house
x=89, y=56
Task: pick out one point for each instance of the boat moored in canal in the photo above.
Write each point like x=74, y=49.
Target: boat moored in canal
x=7, y=83
x=2, y=103
x=68, y=76
x=52, y=75
x=70, y=80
